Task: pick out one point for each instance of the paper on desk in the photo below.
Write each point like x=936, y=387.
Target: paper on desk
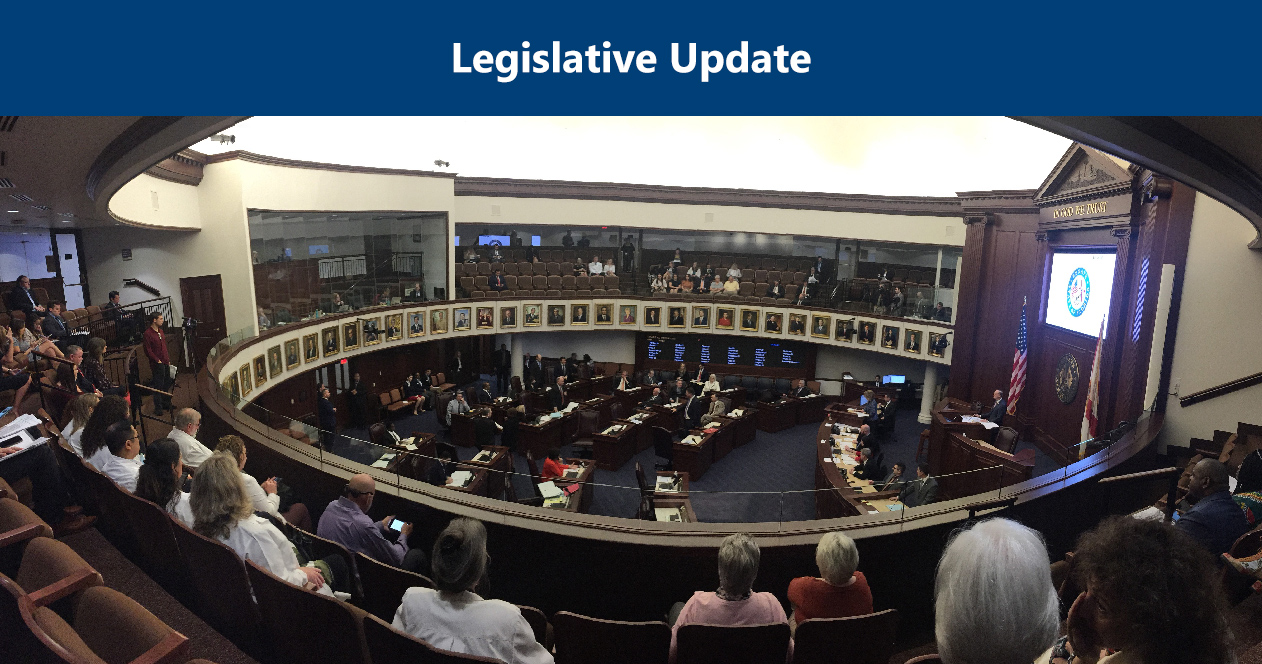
x=849, y=461
x=483, y=456
x=973, y=419
x=461, y=478
x=867, y=489
x=549, y=490
x=1149, y=514
x=667, y=514
x=22, y=422
x=383, y=461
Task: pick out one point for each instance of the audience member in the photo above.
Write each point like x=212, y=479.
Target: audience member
x=716, y=285
x=155, y=344
x=1214, y=520
x=940, y=313
x=28, y=342
x=775, y=291
x=1248, y=493
x=72, y=381
x=109, y=409
x=357, y=401
x=121, y=464
x=452, y=617
x=731, y=286
x=734, y=272
x=78, y=410
x=265, y=496
x=677, y=259
x=187, y=423
x=839, y=591
x=48, y=492
x=658, y=284
x=687, y=285
x=1152, y=597
x=93, y=366
x=497, y=282
x=346, y=522
x=734, y=603
x=222, y=511
x=53, y=324
x=161, y=479
x=993, y=599
x=922, y=491
x=595, y=267
x=672, y=282
x=22, y=299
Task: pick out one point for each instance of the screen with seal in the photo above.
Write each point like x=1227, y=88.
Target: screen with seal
x=1079, y=289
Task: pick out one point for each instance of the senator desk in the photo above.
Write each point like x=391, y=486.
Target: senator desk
x=660, y=490
x=839, y=493
x=629, y=399
x=671, y=499
x=539, y=438
x=721, y=438
x=967, y=463
x=694, y=458
x=613, y=449
x=601, y=404
x=462, y=430
x=667, y=509
x=777, y=415
x=498, y=463
x=581, y=499
x=847, y=414
x=478, y=484
x=744, y=427
x=811, y=408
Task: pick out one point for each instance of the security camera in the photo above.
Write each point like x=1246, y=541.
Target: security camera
x=224, y=139
x=442, y=164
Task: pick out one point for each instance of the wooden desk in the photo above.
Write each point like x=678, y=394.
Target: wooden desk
x=498, y=469
x=694, y=459
x=644, y=434
x=422, y=443
x=578, y=390
x=539, y=438
x=840, y=494
x=811, y=409
x=744, y=428
x=612, y=451
x=477, y=486
x=845, y=414
x=682, y=504
x=462, y=430
x=580, y=500
x=956, y=447
x=721, y=437
x=671, y=418
x=681, y=492
x=631, y=398
x=602, y=404
x=777, y=415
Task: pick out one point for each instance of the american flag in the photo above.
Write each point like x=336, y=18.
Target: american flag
x=1017, y=384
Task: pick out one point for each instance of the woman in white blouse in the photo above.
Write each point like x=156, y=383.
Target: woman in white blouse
x=711, y=384
x=80, y=409
x=595, y=267
x=734, y=271
x=160, y=479
x=695, y=270
x=453, y=617
x=658, y=285
x=609, y=267
x=222, y=511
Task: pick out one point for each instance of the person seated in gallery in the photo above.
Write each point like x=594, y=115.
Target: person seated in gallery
x=470, y=256
x=497, y=282
x=1213, y=520
x=687, y=285
x=813, y=277
x=732, y=286
x=552, y=466
x=659, y=283
x=716, y=285
x=734, y=603
x=678, y=259
x=940, y=313
x=840, y=590
x=595, y=267
x=922, y=491
x=896, y=302
x=452, y=617
x=609, y=267
x=672, y=283
x=734, y=271
x=695, y=271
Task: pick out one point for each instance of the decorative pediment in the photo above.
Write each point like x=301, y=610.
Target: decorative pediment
x=1084, y=172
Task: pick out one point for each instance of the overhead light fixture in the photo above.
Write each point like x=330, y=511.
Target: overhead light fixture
x=13, y=211
x=224, y=139
x=442, y=164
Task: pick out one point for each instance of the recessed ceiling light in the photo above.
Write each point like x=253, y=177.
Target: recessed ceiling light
x=13, y=211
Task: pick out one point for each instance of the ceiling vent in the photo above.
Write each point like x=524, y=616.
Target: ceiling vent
x=6, y=183
x=18, y=222
x=4, y=157
x=7, y=122
x=45, y=208
x=65, y=214
x=21, y=197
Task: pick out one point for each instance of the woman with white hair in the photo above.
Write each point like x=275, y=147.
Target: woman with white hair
x=453, y=617
x=839, y=591
x=734, y=603
x=993, y=599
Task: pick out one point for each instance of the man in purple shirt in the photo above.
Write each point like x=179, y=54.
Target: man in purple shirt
x=346, y=522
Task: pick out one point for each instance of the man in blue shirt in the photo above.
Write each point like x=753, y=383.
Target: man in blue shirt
x=346, y=522
x=1214, y=519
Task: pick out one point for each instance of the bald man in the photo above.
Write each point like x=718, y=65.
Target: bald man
x=346, y=522
x=1214, y=520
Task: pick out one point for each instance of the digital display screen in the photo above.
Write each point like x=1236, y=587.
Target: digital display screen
x=1079, y=289
x=722, y=350
x=893, y=380
x=492, y=239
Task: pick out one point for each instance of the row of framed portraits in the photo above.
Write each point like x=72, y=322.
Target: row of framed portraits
x=370, y=331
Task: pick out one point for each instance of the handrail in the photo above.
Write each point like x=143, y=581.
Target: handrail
x=142, y=286
x=1174, y=472
x=1220, y=390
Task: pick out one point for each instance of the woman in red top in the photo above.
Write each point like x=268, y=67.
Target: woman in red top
x=552, y=466
x=841, y=591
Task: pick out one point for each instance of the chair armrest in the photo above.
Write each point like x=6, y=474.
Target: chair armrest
x=21, y=534
x=173, y=649
x=84, y=578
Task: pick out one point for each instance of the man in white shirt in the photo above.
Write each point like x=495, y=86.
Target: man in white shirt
x=123, y=463
x=595, y=267
x=624, y=382
x=456, y=406
x=187, y=422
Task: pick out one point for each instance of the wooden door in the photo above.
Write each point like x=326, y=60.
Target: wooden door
x=202, y=299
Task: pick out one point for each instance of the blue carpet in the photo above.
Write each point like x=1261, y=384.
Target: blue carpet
x=771, y=478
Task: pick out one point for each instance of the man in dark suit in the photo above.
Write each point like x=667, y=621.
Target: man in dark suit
x=497, y=282
x=893, y=481
x=869, y=468
x=651, y=378
x=694, y=408
x=556, y=394
x=677, y=391
x=22, y=299
x=457, y=369
x=483, y=395
x=565, y=370
x=996, y=413
x=800, y=389
x=534, y=372
x=922, y=491
x=55, y=326
x=775, y=290
x=658, y=399
x=484, y=428
x=701, y=375
x=328, y=418
x=358, y=401
x=503, y=361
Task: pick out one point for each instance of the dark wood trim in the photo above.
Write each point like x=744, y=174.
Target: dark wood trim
x=132, y=137
x=319, y=166
x=183, y=167
x=1220, y=390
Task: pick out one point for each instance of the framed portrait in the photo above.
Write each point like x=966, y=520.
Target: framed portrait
x=461, y=319
x=372, y=331
x=247, y=385
x=486, y=318
x=604, y=313
x=889, y=336
x=437, y=321
x=328, y=340
x=394, y=327
x=556, y=314
x=845, y=330
x=293, y=350
x=937, y=344
x=274, y=364
x=350, y=335
x=311, y=346
x=911, y=341
x=578, y=314
x=725, y=318
x=532, y=315
x=773, y=322
x=233, y=385
x=677, y=316
x=797, y=324
x=749, y=320
x=819, y=326
x=627, y=314
x=701, y=316
x=867, y=332
x=260, y=370
x=508, y=317
x=653, y=316
x=416, y=324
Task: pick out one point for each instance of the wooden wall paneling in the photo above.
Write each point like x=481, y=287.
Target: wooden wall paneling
x=968, y=305
x=1174, y=251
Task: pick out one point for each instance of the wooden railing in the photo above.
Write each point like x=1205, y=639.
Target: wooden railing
x=1220, y=390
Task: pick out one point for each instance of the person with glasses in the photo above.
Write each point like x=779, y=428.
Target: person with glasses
x=346, y=522
x=123, y=462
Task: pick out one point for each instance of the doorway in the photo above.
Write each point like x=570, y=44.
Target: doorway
x=202, y=301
